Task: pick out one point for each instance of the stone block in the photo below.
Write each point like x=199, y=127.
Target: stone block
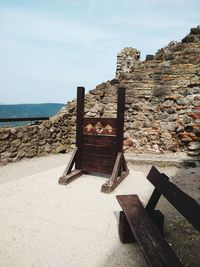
x=149, y=57
x=4, y=135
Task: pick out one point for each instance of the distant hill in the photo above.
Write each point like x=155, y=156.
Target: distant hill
x=27, y=110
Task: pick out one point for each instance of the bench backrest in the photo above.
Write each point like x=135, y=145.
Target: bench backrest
x=185, y=204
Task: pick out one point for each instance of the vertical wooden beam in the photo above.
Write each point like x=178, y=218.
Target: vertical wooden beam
x=120, y=118
x=153, y=200
x=79, y=123
x=125, y=233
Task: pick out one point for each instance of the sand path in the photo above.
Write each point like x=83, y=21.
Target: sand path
x=43, y=223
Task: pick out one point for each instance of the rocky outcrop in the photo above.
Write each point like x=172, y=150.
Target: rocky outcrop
x=162, y=112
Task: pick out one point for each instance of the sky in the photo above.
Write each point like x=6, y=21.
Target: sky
x=48, y=48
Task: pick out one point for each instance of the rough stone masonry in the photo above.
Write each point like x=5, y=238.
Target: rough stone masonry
x=162, y=106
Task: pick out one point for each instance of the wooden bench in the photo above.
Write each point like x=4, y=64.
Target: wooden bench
x=145, y=225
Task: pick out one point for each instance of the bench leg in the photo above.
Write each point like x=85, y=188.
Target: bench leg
x=158, y=218
x=125, y=233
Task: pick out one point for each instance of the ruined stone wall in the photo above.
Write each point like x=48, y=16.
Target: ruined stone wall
x=52, y=136
x=164, y=93
x=162, y=112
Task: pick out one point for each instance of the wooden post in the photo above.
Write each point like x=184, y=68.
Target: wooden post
x=120, y=170
x=79, y=125
x=120, y=118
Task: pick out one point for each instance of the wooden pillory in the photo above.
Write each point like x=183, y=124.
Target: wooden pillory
x=99, y=145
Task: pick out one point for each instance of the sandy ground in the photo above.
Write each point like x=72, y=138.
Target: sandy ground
x=43, y=223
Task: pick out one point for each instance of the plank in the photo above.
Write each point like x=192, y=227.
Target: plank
x=104, y=141
x=155, y=249
x=98, y=149
x=119, y=172
x=109, y=187
x=100, y=166
x=153, y=201
x=71, y=162
x=70, y=177
x=185, y=204
x=98, y=158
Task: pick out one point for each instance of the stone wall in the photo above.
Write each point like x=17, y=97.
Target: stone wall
x=162, y=112
x=30, y=141
x=164, y=96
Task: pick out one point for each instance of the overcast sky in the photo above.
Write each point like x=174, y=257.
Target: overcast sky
x=49, y=47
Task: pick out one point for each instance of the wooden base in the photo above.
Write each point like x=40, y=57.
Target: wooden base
x=120, y=171
x=108, y=187
x=66, y=179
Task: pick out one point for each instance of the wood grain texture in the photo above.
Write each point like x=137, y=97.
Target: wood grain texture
x=185, y=204
x=155, y=249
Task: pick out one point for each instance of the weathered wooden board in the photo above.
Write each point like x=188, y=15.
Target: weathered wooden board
x=155, y=249
x=99, y=140
x=185, y=204
x=97, y=163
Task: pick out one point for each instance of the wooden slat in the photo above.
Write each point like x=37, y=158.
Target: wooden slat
x=99, y=160
x=97, y=169
x=153, y=201
x=185, y=204
x=117, y=170
x=104, y=141
x=99, y=149
x=97, y=157
x=155, y=249
x=71, y=162
x=66, y=179
x=98, y=164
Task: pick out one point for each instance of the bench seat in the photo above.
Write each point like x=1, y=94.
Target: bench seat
x=155, y=249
